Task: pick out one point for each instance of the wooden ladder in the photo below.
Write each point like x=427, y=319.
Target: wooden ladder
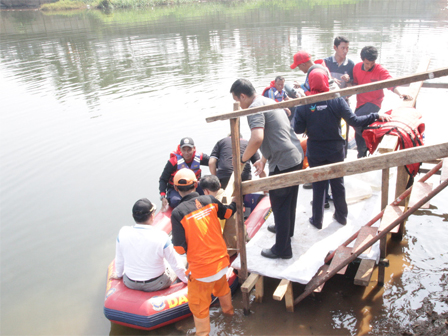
x=367, y=236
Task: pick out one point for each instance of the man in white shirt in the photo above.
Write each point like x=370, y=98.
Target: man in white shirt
x=141, y=252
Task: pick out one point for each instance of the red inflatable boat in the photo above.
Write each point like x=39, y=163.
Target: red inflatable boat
x=151, y=310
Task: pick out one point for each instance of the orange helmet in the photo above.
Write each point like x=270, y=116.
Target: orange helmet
x=185, y=177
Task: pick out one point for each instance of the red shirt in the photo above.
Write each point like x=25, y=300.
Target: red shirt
x=375, y=74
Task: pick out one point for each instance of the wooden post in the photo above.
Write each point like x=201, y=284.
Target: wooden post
x=388, y=144
x=240, y=230
x=402, y=175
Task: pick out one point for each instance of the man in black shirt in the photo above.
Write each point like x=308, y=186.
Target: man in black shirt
x=220, y=162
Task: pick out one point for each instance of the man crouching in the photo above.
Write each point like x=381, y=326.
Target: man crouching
x=196, y=221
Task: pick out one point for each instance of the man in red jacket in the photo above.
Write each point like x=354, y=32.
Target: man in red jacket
x=366, y=72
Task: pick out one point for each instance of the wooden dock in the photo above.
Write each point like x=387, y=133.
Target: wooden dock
x=392, y=215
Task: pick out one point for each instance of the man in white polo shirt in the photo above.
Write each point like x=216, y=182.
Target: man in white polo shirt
x=141, y=251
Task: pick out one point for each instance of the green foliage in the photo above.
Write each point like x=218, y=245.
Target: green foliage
x=63, y=5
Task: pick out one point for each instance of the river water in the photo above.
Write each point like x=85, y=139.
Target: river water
x=92, y=103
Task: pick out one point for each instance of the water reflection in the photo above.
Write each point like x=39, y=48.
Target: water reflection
x=92, y=104
x=134, y=52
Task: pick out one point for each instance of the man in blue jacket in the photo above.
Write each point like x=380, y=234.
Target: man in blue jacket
x=322, y=123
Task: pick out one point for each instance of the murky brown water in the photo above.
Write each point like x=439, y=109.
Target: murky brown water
x=91, y=105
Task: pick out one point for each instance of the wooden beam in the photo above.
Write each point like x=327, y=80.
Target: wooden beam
x=444, y=174
x=289, y=299
x=365, y=234
x=388, y=144
x=341, y=254
x=364, y=273
x=334, y=94
x=321, y=273
x=259, y=289
x=420, y=189
x=327, y=172
x=435, y=85
x=240, y=228
x=280, y=291
x=391, y=212
x=250, y=282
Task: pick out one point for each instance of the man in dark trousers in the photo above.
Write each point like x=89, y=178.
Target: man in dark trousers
x=322, y=123
x=197, y=232
x=272, y=133
x=365, y=72
x=185, y=156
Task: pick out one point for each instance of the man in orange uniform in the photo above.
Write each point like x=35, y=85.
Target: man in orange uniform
x=197, y=232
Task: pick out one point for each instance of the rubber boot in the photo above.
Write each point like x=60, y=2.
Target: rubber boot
x=202, y=326
x=226, y=304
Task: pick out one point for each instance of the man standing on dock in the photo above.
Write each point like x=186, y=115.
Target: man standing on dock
x=272, y=133
x=366, y=72
x=197, y=232
x=341, y=67
x=322, y=123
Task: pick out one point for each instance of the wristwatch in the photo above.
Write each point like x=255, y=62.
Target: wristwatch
x=162, y=197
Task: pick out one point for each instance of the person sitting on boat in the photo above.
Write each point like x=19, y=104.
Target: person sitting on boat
x=322, y=123
x=271, y=132
x=221, y=165
x=185, y=156
x=141, y=252
x=276, y=91
x=197, y=232
x=366, y=72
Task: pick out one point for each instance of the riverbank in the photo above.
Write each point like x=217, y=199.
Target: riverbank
x=64, y=5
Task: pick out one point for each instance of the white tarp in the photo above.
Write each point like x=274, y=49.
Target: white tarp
x=310, y=245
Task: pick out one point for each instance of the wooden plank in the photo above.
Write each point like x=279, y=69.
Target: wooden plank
x=402, y=181
x=390, y=214
x=419, y=190
x=321, y=272
x=444, y=174
x=414, y=88
x=289, y=299
x=384, y=187
x=388, y=144
x=259, y=289
x=366, y=233
x=334, y=94
x=250, y=282
x=364, y=273
x=342, y=253
x=281, y=289
x=435, y=85
x=327, y=172
x=381, y=267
